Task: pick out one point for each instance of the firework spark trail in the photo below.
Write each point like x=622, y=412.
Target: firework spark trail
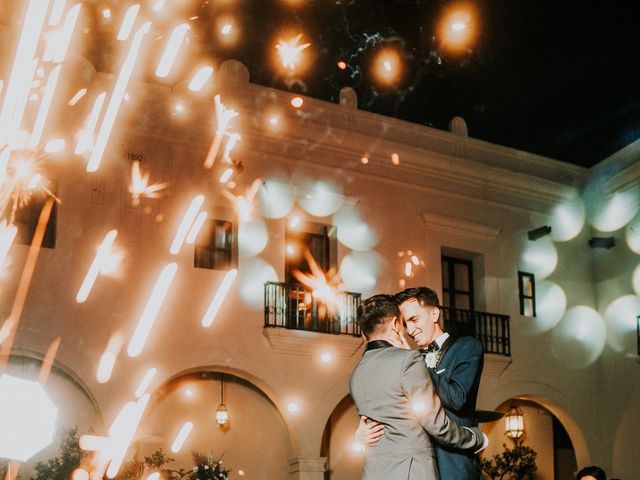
x=145, y=382
x=58, y=42
x=102, y=255
x=151, y=310
x=21, y=76
x=171, y=50
x=187, y=223
x=8, y=331
x=85, y=136
x=45, y=104
x=7, y=236
x=223, y=116
x=140, y=187
x=47, y=362
x=116, y=99
x=108, y=359
x=219, y=297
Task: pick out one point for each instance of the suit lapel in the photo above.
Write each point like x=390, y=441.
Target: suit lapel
x=445, y=346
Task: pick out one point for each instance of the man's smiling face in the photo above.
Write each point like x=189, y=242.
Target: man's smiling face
x=421, y=321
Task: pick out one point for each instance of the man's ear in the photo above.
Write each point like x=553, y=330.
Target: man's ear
x=395, y=324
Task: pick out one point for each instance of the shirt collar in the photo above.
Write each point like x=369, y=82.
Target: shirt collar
x=441, y=339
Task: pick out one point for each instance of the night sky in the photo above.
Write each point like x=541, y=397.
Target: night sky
x=557, y=78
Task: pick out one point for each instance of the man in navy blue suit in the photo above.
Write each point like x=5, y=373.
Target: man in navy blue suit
x=455, y=365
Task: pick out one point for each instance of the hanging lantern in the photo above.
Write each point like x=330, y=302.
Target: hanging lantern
x=514, y=423
x=222, y=414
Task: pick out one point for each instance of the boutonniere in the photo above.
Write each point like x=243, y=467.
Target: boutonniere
x=432, y=359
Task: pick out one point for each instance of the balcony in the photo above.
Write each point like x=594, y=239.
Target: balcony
x=293, y=306
x=491, y=329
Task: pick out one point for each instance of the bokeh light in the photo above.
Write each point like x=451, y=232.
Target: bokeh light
x=253, y=237
x=551, y=304
x=457, y=28
x=320, y=198
x=253, y=273
x=609, y=212
x=579, y=339
x=620, y=318
x=360, y=270
x=387, y=66
x=567, y=219
x=539, y=257
x=632, y=235
x=353, y=231
x=275, y=198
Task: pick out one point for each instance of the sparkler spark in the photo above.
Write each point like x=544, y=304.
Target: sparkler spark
x=290, y=52
x=7, y=235
x=85, y=136
x=151, y=310
x=140, y=187
x=108, y=359
x=56, y=12
x=43, y=112
x=200, y=78
x=223, y=116
x=101, y=258
x=116, y=99
x=195, y=228
x=171, y=50
x=219, y=297
x=127, y=22
x=145, y=382
x=244, y=203
x=76, y=98
x=181, y=437
x=187, y=222
x=58, y=42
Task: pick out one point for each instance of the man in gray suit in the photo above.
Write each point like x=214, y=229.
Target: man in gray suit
x=390, y=385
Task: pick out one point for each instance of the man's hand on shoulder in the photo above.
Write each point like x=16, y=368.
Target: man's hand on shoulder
x=369, y=432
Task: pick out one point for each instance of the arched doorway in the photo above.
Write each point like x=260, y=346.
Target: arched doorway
x=344, y=462
x=543, y=432
x=254, y=445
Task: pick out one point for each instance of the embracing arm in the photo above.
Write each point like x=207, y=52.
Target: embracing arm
x=453, y=385
x=421, y=393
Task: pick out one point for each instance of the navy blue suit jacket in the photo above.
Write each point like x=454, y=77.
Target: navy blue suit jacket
x=457, y=378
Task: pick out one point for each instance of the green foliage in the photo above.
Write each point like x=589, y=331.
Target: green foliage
x=518, y=463
x=61, y=467
x=208, y=467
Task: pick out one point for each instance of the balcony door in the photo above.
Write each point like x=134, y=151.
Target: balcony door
x=457, y=283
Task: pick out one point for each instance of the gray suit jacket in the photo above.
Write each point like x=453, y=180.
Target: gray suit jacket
x=392, y=386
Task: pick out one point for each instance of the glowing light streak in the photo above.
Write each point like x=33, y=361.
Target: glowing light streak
x=92, y=443
x=80, y=474
x=106, y=13
x=7, y=236
x=47, y=361
x=85, y=136
x=122, y=431
x=54, y=146
x=22, y=72
x=395, y=159
x=244, y=203
x=297, y=102
x=295, y=221
x=223, y=116
x=326, y=357
x=56, y=12
x=408, y=269
x=187, y=221
x=140, y=187
x=181, y=437
x=226, y=175
x=171, y=50
x=102, y=254
x=107, y=362
x=226, y=29
x=195, y=228
x=116, y=99
x=8, y=330
x=290, y=52
x=364, y=160
x=151, y=310
x=200, y=78
x=415, y=260
x=43, y=111
x=342, y=65
x=145, y=382
x=234, y=138
x=127, y=22
x=154, y=476
x=219, y=297
x=58, y=43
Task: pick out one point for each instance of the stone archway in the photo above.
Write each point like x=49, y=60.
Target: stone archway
x=254, y=423
x=343, y=461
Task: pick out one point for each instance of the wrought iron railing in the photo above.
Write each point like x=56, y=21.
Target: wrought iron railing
x=490, y=328
x=290, y=305
x=638, y=332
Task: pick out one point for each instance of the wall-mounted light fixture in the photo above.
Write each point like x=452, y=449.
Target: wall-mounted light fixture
x=538, y=233
x=222, y=414
x=602, y=242
x=514, y=424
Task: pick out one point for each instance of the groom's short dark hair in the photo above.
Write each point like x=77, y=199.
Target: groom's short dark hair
x=423, y=295
x=594, y=471
x=374, y=312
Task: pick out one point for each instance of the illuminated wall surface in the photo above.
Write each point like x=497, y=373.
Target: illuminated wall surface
x=139, y=167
